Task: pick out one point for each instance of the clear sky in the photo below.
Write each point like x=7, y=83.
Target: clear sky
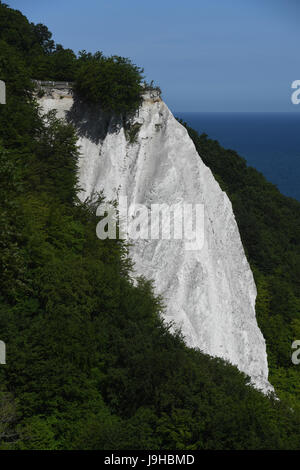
x=206, y=55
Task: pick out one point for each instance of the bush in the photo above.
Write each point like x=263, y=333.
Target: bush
x=113, y=83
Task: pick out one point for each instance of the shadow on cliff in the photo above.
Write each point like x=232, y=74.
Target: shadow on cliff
x=91, y=121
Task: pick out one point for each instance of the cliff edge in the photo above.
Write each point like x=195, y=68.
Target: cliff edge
x=209, y=292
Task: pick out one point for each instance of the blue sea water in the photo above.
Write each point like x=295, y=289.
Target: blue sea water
x=270, y=142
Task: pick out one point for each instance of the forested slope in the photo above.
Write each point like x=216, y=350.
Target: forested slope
x=90, y=363
x=269, y=224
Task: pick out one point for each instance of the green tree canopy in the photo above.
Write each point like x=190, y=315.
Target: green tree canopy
x=113, y=83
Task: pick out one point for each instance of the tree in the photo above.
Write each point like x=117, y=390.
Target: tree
x=113, y=83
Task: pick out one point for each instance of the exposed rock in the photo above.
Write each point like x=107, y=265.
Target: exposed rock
x=210, y=293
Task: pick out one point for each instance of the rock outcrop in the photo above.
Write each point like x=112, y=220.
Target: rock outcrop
x=210, y=292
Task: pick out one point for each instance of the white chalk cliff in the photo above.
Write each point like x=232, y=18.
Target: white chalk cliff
x=210, y=293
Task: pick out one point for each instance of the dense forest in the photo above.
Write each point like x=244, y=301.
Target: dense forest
x=90, y=362
x=269, y=224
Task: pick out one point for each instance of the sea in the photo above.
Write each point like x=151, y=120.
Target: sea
x=270, y=142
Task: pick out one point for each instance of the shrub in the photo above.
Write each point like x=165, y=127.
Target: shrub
x=114, y=83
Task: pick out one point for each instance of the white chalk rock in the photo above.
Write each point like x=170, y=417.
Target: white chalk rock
x=209, y=292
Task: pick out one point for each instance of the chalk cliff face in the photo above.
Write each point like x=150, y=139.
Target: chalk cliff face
x=210, y=292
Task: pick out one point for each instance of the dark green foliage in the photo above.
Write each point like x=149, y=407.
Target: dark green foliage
x=43, y=37
x=90, y=362
x=60, y=65
x=54, y=165
x=131, y=131
x=19, y=33
x=113, y=83
x=269, y=224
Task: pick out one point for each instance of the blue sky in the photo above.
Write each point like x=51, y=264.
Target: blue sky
x=206, y=55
